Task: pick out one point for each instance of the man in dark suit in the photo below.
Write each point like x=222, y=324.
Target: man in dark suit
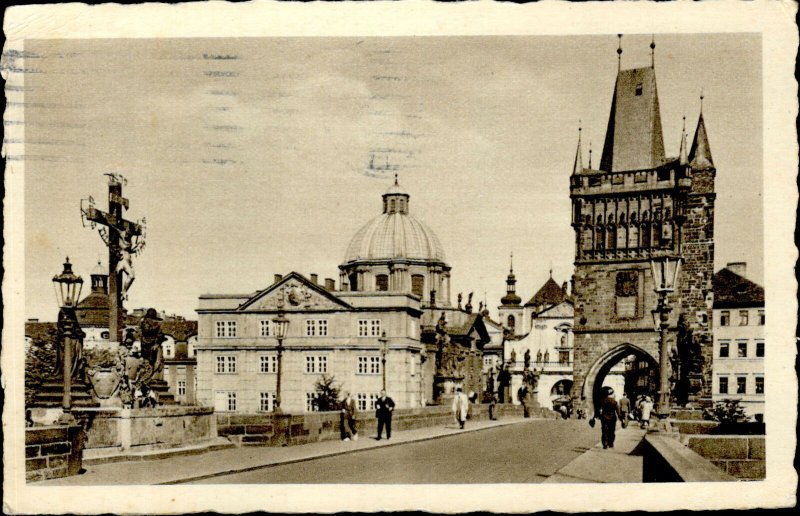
x=384, y=407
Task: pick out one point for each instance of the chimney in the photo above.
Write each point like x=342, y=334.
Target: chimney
x=277, y=278
x=739, y=268
x=330, y=285
x=314, y=278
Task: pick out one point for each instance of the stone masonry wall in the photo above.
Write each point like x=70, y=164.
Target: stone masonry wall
x=53, y=451
x=697, y=250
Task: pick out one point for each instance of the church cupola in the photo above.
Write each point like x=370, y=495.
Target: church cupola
x=511, y=298
x=395, y=200
x=99, y=279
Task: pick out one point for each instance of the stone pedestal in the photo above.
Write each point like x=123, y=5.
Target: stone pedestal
x=444, y=388
x=110, y=430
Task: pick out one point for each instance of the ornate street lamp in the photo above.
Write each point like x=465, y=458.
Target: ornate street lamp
x=68, y=288
x=665, y=276
x=281, y=325
x=384, y=341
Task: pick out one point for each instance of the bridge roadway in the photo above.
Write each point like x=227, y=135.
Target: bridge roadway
x=528, y=452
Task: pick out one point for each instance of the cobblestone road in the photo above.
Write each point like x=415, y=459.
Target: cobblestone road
x=528, y=452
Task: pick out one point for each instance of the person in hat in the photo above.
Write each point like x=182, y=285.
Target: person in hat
x=460, y=407
x=608, y=412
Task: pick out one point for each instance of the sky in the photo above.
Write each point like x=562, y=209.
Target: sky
x=249, y=156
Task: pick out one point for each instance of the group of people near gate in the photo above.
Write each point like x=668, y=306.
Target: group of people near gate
x=609, y=410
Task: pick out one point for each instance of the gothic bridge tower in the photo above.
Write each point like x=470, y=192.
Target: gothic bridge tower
x=639, y=204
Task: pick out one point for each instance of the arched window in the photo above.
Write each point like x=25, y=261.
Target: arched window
x=354, y=282
x=381, y=282
x=656, y=238
x=391, y=206
x=586, y=237
x=105, y=335
x=600, y=238
x=612, y=236
x=418, y=284
x=646, y=234
x=511, y=322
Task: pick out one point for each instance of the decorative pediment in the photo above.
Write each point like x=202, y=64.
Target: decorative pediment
x=293, y=292
x=564, y=310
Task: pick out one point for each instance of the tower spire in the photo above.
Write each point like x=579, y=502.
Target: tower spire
x=701, y=101
x=590, y=155
x=511, y=298
x=578, y=167
x=653, y=52
x=700, y=153
x=511, y=268
x=683, y=158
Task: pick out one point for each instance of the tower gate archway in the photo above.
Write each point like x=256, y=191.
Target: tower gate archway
x=640, y=374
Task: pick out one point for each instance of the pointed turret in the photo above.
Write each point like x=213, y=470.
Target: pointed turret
x=683, y=159
x=577, y=168
x=634, y=140
x=700, y=155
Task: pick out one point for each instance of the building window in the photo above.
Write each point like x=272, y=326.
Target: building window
x=488, y=361
x=744, y=317
x=226, y=364
x=311, y=405
x=225, y=401
x=762, y=318
x=369, y=365
x=105, y=335
x=381, y=282
x=265, y=328
x=512, y=322
x=366, y=401
x=418, y=285
x=268, y=364
x=724, y=350
x=369, y=327
x=169, y=349
x=723, y=385
x=759, y=385
x=741, y=385
x=741, y=349
x=226, y=329
x=725, y=318
x=563, y=357
x=760, y=348
x=181, y=387
x=639, y=88
x=316, y=364
x=266, y=401
x=316, y=327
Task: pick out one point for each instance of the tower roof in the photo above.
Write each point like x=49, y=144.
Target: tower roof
x=634, y=140
x=734, y=291
x=700, y=155
x=577, y=168
x=550, y=294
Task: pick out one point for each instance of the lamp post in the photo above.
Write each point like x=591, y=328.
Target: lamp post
x=281, y=324
x=665, y=272
x=384, y=341
x=68, y=288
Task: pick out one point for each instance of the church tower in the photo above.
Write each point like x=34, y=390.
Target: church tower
x=638, y=205
x=511, y=309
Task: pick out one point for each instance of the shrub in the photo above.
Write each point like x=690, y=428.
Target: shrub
x=327, y=394
x=726, y=412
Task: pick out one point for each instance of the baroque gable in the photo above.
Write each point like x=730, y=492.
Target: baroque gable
x=293, y=292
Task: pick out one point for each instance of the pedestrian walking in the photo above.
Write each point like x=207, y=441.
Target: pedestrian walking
x=348, y=422
x=646, y=411
x=383, y=411
x=492, y=406
x=608, y=412
x=460, y=407
x=522, y=394
x=624, y=410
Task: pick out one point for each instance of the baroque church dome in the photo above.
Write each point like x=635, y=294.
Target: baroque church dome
x=395, y=234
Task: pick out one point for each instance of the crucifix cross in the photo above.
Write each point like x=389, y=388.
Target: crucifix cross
x=123, y=239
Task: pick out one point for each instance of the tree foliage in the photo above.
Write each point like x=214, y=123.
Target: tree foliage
x=326, y=393
x=40, y=361
x=727, y=411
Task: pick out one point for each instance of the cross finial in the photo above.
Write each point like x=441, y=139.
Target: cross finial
x=619, y=53
x=701, y=100
x=395, y=179
x=590, y=155
x=512, y=262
